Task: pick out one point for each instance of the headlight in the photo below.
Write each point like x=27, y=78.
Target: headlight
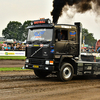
x=47, y=62
x=26, y=66
x=27, y=61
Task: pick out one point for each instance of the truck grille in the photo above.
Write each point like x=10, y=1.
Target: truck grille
x=37, y=61
x=31, y=50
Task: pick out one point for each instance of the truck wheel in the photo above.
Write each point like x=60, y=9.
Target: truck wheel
x=98, y=76
x=41, y=74
x=66, y=72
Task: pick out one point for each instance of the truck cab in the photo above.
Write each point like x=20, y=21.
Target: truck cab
x=52, y=47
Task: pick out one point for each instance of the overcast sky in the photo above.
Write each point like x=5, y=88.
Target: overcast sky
x=23, y=10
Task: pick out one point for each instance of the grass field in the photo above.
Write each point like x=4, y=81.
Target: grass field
x=13, y=57
x=13, y=69
x=97, y=57
x=16, y=58
x=20, y=57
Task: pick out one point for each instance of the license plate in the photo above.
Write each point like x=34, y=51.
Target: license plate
x=35, y=66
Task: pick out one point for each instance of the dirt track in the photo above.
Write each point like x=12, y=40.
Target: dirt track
x=26, y=86
x=12, y=63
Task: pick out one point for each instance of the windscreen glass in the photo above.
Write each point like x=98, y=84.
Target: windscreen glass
x=40, y=34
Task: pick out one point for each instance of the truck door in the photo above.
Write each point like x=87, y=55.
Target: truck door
x=66, y=42
x=61, y=38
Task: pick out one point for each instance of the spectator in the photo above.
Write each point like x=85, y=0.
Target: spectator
x=9, y=47
x=15, y=47
x=5, y=46
x=2, y=47
x=12, y=47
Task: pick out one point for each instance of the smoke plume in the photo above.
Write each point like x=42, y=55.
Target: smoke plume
x=80, y=6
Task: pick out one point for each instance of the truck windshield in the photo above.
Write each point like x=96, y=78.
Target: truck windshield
x=40, y=34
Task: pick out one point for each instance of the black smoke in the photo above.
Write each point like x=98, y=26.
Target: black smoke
x=81, y=6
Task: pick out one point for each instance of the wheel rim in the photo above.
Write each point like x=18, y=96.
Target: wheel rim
x=67, y=72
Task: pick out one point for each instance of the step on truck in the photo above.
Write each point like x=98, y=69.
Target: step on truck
x=56, y=48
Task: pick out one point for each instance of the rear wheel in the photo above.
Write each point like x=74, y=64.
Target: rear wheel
x=66, y=72
x=41, y=73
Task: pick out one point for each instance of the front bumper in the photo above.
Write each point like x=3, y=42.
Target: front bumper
x=40, y=67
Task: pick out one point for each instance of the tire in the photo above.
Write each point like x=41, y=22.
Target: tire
x=41, y=73
x=66, y=72
x=98, y=76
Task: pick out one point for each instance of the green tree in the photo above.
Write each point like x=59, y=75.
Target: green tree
x=24, y=30
x=15, y=30
x=89, y=39
x=12, y=31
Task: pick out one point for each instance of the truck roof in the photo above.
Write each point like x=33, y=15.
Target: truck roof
x=52, y=25
x=40, y=25
x=65, y=26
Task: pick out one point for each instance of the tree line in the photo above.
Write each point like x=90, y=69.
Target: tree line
x=18, y=31
x=88, y=37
